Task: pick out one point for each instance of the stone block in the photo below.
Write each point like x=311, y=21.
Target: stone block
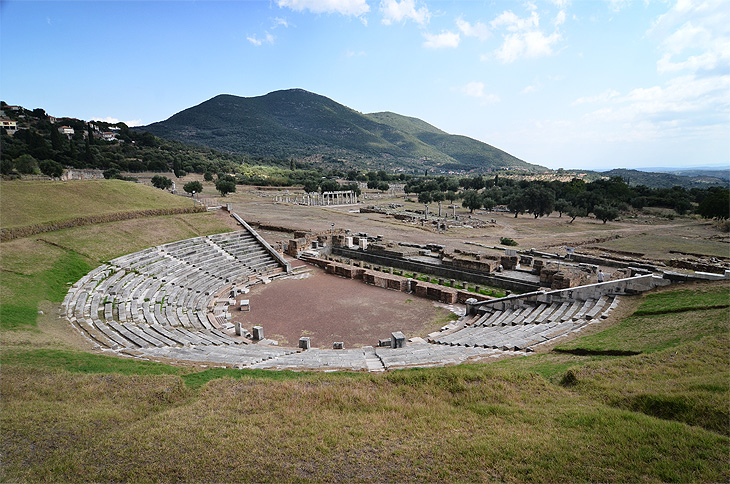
x=258, y=333
x=304, y=343
x=508, y=262
x=397, y=340
x=338, y=345
x=471, y=309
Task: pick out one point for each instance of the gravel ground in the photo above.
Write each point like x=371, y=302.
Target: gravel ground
x=329, y=308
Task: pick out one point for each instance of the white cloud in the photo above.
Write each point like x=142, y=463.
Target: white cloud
x=678, y=109
x=523, y=39
x=559, y=19
x=527, y=45
x=515, y=24
x=618, y=5
x=535, y=87
x=345, y=7
x=475, y=89
x=396, y=12
x=267, y=39
x=444, y=39
x=693, y=37
x=278, y=21
x=478, y=30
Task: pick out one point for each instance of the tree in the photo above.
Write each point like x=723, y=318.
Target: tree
x=88, y=155
x=605, y=213
x=56, y=140
x=354, y=187
x=517, y=204
x=112, y=173
x=208, y=176
x=488, y=203
x=193, y=187
x=471, y=199
x=51, y=168
x=425, y=197
x=716, y=205
x=25, y=164
x=311, y=185
x=540, y=200
x=225, y=187
x=330, y=186
x=161, y=182
x=562, y=205
x=451, y=196
x=574, y=212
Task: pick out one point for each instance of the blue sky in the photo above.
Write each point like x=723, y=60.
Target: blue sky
x=573, y=84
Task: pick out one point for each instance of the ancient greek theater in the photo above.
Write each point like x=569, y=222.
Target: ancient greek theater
x=175, y=301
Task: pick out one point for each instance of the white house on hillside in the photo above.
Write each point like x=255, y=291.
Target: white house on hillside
x=9, y=125
x=67, y=130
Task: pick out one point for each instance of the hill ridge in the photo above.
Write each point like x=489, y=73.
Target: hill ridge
x=299, y=123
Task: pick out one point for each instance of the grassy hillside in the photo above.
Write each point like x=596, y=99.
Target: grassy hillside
x=25, y=203
x=466, y=153
x=303, y=124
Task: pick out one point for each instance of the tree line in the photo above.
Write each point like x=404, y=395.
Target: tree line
x=606, y=199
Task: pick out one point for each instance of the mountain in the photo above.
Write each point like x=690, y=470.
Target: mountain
x=666, y=180
x=306, y=125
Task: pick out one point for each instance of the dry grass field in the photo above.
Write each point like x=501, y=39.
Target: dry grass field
x=640, y=397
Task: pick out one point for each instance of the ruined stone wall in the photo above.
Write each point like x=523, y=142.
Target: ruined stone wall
x=436, y=292
x=480, y=264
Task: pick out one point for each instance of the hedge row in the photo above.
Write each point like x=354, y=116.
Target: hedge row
x=18, y=232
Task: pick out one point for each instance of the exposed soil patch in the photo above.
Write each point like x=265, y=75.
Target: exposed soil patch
x=328, y=308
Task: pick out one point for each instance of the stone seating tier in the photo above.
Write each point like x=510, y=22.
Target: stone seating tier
x=522, y=328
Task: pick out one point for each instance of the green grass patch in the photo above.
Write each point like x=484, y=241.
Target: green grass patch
x=16, y=317
x=26, y=203
x=684, y=300
x=64, y=272
x=81, y=362
x=663, y=320
x=26, y=291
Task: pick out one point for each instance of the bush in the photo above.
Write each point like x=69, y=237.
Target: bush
x=507, y=241
x=161, y=182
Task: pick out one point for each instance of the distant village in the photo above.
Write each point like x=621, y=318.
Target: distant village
x=11, y=126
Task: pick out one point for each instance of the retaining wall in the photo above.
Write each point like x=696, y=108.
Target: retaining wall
x=437, y=270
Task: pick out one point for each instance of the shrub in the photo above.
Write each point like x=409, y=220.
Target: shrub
x=507, y=241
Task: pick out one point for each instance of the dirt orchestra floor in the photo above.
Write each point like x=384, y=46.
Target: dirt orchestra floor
x=328, y=308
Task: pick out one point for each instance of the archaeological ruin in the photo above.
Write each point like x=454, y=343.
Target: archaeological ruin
x=174, y=301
